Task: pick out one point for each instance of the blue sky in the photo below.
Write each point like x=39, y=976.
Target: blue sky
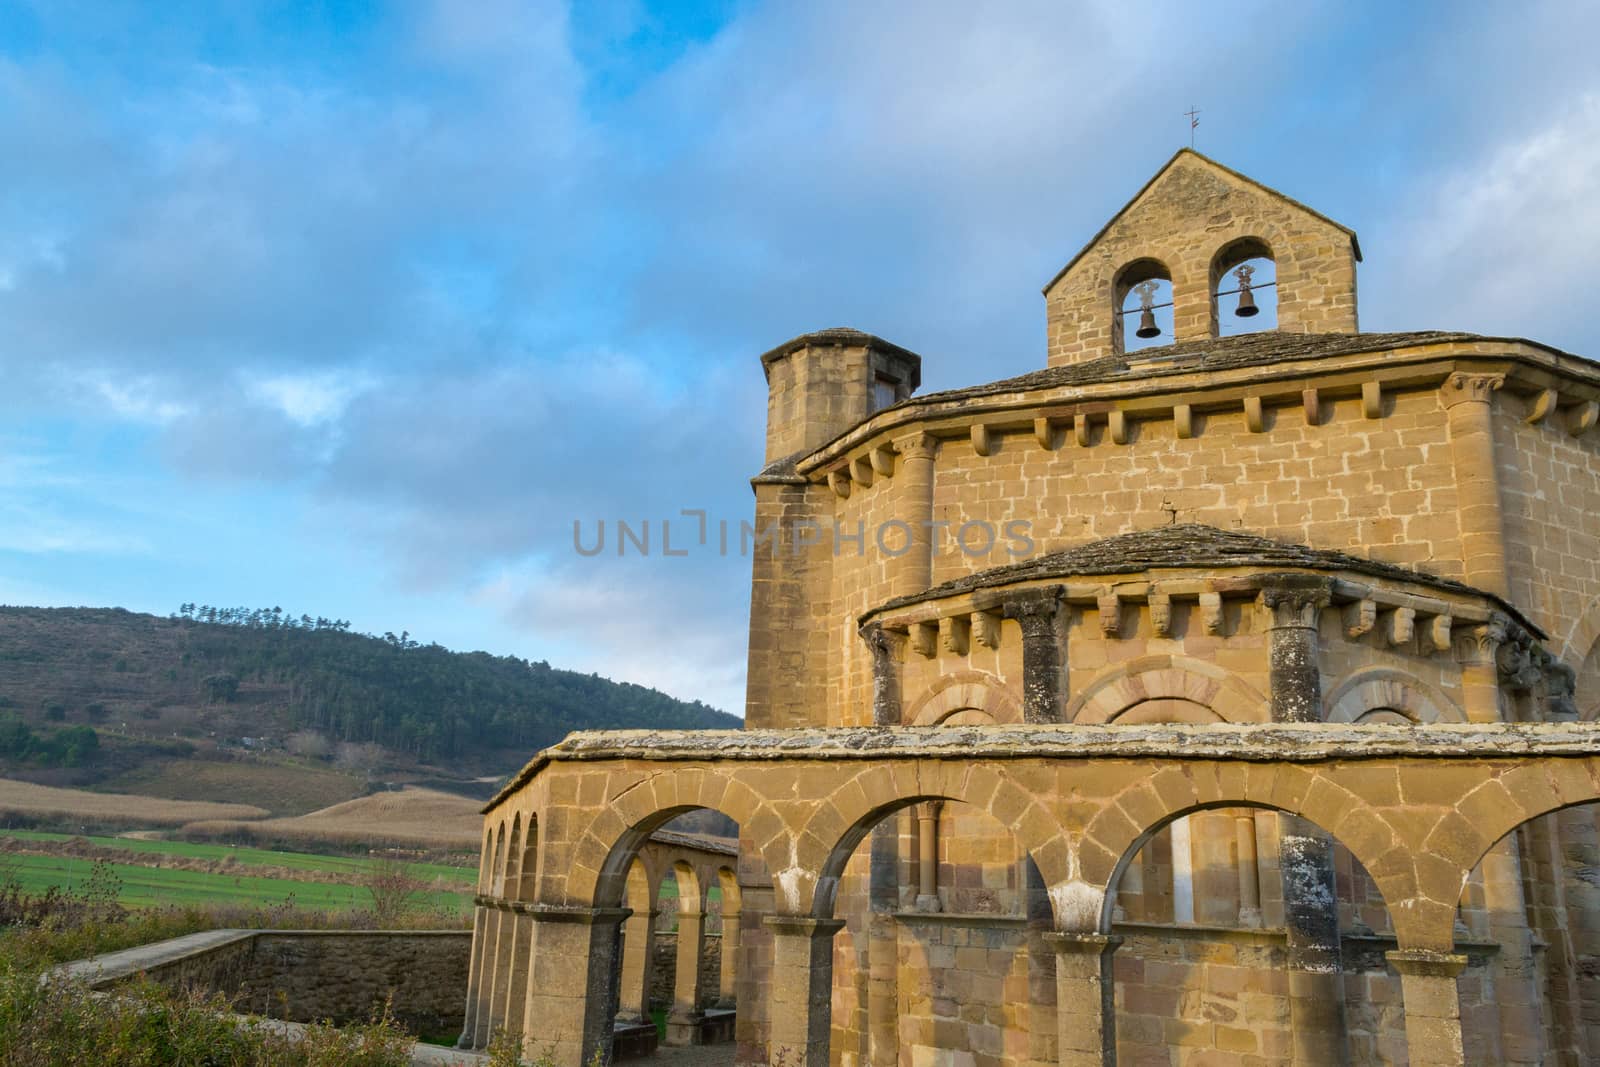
x=355, y=308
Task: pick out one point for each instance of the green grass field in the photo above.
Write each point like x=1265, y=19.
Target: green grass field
x=154, y=887
x=353, y=865
x=150, y=886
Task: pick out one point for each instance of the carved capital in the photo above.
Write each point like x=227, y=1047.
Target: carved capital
x=1479, y=646
x=1296, y=601
x=1462, y=388
x=916, y=446
x=1034, y=610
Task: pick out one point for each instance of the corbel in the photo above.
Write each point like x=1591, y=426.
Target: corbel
x=1583, y=417
x=1360, y=617
x=1439, y=632
x=1543, y=405
x=1311, y=404
x=839, y=482
x=1044, y=431
x=925, y=639
x=982, y=439
x=1254, y=415
x=1372, y=399
x=1110, y=605
x=1400, y=625
x=1211, y=613
x=1183, y=421
x=986, y=628
x=1080, y=429
x=1160, y=612
x=883, y=461
x=1117, y=427
x=954, y=631
x=861, y=470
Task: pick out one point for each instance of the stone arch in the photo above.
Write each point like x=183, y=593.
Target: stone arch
x=1132, y=273
x=1192, y=689
x=1505, y=802
x=960, y=692
x=486, y=859
x=1135, y=815
x=497, y=871
x=1230, y=254
x=638, y=803
x=1376, y=690
x=528, y=866
x=874, y=794
x=511, y=874
x=691, y=887
x=1581, y=652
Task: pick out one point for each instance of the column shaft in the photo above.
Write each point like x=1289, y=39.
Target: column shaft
x=638, y=958
x=727, y=973
x=1043, y=680
x=1433, y=1007
x=801, y=990
x=469, y=1023
x=519, y=945
x=1516, y=973
x=1249, y=871
x=683, y=1024
x=1468, y=402
x=1086, y=1030
x=928, y=857
x=913, y=569
x=572, y=985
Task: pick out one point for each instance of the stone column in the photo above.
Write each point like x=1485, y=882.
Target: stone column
x=490, y=1005
x=1037, y=613
x=888, y=650
x=1085, y=992
x=1249, y=871
x=928, y=857
x=801, y=989
x=519, y=945
x=912, y=570
x=637, y=958
x=1468, y=401
x=1514, y=979
x=572, y=983
x=683, y=1023
x=883, y=946
x=1305, y=851
x=469, y=1025
x=727, y=972
x=1433, y=1007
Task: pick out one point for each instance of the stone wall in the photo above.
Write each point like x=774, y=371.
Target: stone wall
x=313, y=975
x=664, y=960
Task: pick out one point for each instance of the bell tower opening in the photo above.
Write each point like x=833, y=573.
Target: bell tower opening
x=1143, y=307
x=1244, y=288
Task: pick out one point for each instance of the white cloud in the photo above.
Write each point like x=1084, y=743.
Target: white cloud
x=308, y=399
x=135, y=399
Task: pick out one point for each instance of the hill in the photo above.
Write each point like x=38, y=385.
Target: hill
x=290, y=714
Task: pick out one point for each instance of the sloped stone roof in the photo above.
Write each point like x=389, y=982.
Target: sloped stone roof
x=1190, y=546
x=1211, y=353
x=834, y=335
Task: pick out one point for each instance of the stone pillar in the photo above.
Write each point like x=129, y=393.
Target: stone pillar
x=1477, y=649
x=1086, y=1025
x=683, y=1022
x=751, y=1026
x=480, y=936
x=637, y=959
x=519, y=945
x=1249, y=871
x=489, y=1005
x=801, y=989
x=883, y=946
x=928, y=857
x=1468, y=401
x=1037, y=613
x=1433, y=1007
x=728, y=971
x=888, y=650
x=1305, y=851
x=912, y=570
x=572, y=983
x=1580, y=852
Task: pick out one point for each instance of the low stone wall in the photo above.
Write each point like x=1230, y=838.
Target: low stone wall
x=310, y=975
x=665, y=963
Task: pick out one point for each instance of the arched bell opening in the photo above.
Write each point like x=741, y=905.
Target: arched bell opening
x=1142, y=314
x=1244, y=288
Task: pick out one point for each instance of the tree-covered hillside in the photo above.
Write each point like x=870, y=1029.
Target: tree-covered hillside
x=261, y=678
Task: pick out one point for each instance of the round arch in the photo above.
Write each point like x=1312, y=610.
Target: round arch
x=1194, y=689
x=960, y=692
x=1384, y=691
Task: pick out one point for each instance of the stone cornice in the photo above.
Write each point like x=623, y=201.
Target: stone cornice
x=1529, y=368
x=1264, y=743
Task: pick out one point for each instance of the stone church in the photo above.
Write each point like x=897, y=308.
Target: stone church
x=1220, y=693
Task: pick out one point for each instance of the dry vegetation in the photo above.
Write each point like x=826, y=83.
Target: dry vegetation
x=410, y=817
x=41, y=801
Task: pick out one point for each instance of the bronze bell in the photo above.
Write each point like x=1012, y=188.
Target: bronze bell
x=1147, y=325
x=1247, y=301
